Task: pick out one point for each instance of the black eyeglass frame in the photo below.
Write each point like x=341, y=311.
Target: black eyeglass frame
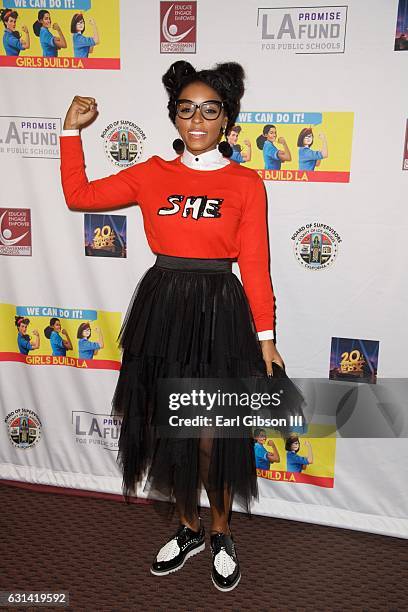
x=217, y=102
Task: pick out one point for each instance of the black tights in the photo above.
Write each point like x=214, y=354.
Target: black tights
x=220, y=501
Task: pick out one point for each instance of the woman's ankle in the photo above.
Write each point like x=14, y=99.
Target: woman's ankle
x=220, y=529
x=194, y=525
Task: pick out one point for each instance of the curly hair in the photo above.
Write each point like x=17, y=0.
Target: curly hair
x=19, y=320
x=5, y=15
x=226, y=79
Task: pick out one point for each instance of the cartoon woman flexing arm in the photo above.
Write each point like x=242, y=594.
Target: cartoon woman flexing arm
x=49, y=43
x=13, y=42
x=83, y=45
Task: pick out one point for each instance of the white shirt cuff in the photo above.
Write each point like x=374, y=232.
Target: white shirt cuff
x=268, y=334
x=70, y=133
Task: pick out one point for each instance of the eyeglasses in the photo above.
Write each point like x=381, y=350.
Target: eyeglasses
x=210, y=109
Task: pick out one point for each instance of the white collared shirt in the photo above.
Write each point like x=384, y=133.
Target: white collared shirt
x=211, y=160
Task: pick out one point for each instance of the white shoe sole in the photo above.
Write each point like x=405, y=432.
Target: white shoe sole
x=193, y=552
x=231, y=588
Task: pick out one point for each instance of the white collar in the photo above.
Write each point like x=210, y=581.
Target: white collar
x=211, y=160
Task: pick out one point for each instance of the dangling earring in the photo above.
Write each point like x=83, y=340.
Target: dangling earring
x=224, y=147
x=178, y=146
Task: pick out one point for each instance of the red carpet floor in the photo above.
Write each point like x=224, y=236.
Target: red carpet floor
x=100, y=551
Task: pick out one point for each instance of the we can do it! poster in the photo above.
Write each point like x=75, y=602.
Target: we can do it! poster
x=60, y=336
x=298, y=459
x=294, y=146
x=80, y=34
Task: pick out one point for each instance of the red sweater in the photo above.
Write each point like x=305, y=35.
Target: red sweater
x=186, y=213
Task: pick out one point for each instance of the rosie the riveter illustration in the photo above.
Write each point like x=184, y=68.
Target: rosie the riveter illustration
x=239, y=155
x=263, y=457
x=273, y=157
x=13, y=41
x=83, y=45
x=59, y=345
x=308, y=158
x=86, y=348
x=25, y=343
x=295, y=462
x=49, y=43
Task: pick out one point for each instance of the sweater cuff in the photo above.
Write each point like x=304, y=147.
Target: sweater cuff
x=268, y=334
x=70, y=133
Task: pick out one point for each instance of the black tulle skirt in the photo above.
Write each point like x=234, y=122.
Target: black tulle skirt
x=187, y=318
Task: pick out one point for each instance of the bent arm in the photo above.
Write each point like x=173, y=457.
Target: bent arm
x=100, y=339
x=59, y=40
x=274, y=455
x=95, y=34
x=26, y=41
x=285, y=155
x=247, y=154
x=35, y=341
x=325, y=149
x=253, y=259
x=108, y=193
x=67, y=341
x=309, y=453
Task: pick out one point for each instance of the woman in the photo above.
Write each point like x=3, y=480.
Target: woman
x=294, y=462
x=25, y=343
x=189, y=316
x=13, y=42
x=263, y=457
x=309, y=159
x=59, y=345
x=83, y=45
x=49, y=43
x=273, y=157
x=86, y=348
x=238, y=155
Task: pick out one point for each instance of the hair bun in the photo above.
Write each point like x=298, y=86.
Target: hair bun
x=175, y=75
x=235, y=74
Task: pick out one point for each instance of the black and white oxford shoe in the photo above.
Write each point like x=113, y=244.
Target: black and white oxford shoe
x=225, y=569
x=184, y=544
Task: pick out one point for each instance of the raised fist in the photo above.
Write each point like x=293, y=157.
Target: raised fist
x=83, y=111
